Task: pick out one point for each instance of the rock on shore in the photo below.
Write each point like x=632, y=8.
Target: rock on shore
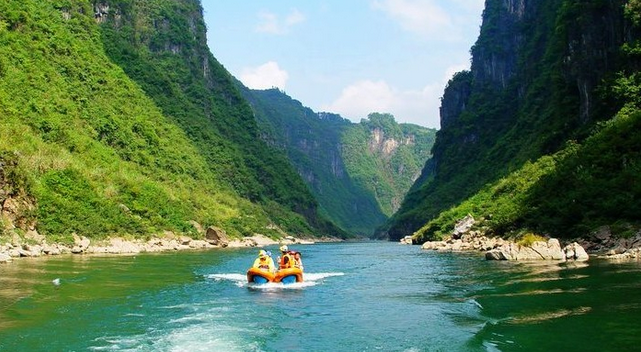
x=463, y=238
x=600, y=244
x=539, y=250
x=214, y=238
x=500, y=249
x=608, y=246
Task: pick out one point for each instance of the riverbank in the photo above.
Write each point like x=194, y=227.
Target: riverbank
x=600, y=244
x=35, y=245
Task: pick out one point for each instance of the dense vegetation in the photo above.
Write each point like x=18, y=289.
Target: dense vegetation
x=312, y=144
x=567, y=194
x=132, y=128
x=540, y=134
x=164, y=49
x=385, y=157
x=357, y=184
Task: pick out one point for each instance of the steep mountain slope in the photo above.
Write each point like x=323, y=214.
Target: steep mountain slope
x=85, y=149
x=543, y=73
x=162, y=46
x=385, y=157
x=358, y=172
x=313, y=144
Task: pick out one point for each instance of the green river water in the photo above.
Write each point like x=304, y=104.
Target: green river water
x=372, y=296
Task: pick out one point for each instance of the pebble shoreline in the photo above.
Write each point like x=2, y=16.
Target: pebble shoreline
x=83, y=245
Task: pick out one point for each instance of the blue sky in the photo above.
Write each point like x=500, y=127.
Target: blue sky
x=351, y=57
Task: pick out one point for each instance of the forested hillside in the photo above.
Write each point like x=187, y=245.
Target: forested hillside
x=358, y=172
x=385, y=157
x=117, y=120
x=541, y=134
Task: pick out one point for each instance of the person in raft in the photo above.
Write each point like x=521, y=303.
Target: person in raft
x=264, y=262
x=286, y=260
x=298, y=262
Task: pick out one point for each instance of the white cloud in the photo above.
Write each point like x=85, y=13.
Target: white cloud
x=472, y=6
x=270, y=23
x=450, y=71
x=364, y=97
x=294, y=17
x=419, y=107
x=422, y=17
x=265, y=76
x=361, y=98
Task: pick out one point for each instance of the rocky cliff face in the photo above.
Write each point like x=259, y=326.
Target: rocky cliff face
x=386, y=157
x=378, y=143
x=385, y=145
x=537, y=68
x=496, y=64
x=16, y=205
x=455, y=98
x=312, y=142
x=592, y=50
x=180, y=32
x=514, y=40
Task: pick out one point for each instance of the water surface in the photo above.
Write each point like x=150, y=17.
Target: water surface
x=374, y=296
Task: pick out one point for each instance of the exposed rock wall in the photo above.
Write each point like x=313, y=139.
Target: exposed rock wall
x=16, y=205
x=550, y=250
x=533, y=85
x=495, y=55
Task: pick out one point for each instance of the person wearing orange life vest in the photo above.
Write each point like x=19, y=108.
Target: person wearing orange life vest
x=264, y=262
x=286, y=260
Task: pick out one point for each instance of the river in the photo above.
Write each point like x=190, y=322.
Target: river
x=371, y=296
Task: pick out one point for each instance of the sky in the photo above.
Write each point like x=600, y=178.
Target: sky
x=351, y=57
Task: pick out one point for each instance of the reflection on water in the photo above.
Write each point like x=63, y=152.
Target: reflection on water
x=537, y=318
x=23, y=280
x=367, y=296
x=556, y=306
x=534, y=292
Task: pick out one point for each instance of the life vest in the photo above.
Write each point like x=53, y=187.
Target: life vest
x=286, y=261
x=264, y=263
x=298, y=263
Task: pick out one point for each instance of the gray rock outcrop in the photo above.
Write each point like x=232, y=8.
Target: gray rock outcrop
x=463, y=238
x=539, y=250
x=463, y=226
x=217, y=236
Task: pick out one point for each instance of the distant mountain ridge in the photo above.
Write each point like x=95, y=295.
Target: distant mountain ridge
x=358, y=172
x=387, y=157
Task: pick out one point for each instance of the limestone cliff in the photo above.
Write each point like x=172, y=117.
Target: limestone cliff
x=538, y=78
x=387, y=157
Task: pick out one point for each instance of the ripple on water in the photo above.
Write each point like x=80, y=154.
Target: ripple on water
x=373, y=297
x=541, y=317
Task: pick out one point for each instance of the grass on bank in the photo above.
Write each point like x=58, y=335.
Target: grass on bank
x=84, y=144
x=565, y=195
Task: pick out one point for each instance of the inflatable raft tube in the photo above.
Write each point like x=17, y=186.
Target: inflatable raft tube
x=289, y=276
x=259, y=276
x=286, y=276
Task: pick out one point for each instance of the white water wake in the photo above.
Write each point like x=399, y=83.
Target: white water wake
x=310, y=279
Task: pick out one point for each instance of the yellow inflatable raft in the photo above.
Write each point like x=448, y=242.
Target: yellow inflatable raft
x=286, y=276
